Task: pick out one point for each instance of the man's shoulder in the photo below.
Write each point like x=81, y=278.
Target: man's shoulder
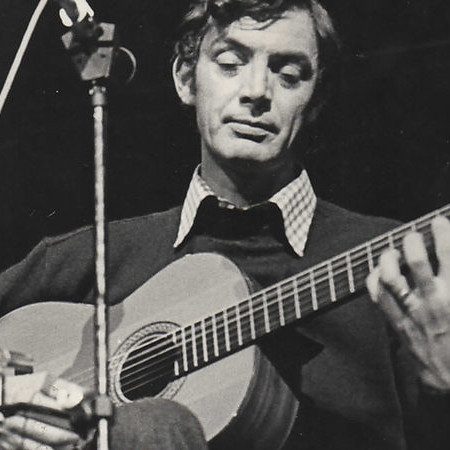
x=347, y=228
x=335, y=213
x=156, y=225
x=162, y=224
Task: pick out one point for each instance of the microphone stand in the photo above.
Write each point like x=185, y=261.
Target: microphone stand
x=92, y=47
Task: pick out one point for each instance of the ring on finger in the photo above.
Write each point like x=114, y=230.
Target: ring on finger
x=404, y=294
x=411, y=302
x=405, y=298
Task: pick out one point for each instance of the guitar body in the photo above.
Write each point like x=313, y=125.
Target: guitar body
x=239, y=400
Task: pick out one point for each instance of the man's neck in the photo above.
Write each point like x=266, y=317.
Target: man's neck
x=246, y=185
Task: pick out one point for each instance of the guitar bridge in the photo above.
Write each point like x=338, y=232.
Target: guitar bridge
x=15, y=363
x=11, y=364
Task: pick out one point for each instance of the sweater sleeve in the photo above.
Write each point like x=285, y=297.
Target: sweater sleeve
x=426, y=414
x=62, y=268
x=57, y=269
x=156, y=424
x=21, y=284
x=434, y=411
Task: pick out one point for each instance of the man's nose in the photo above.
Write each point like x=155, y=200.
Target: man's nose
x=256, y=90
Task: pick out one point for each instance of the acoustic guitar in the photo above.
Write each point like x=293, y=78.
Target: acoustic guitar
x=188, y=334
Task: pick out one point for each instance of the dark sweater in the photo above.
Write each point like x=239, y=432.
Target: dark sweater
x=356, y=391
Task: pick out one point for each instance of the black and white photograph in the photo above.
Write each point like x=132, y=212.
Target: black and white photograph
x=225, y=224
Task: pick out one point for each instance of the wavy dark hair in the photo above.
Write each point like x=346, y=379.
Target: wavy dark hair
x=203, y=14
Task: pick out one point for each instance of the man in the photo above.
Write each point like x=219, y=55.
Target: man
x=256, y=73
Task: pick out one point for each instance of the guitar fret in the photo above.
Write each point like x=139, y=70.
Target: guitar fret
x=232, y=327
x=198, y=342
x=184, y=350
x=331, y=282
x=252, y=318
x=296, y=299
x=194, y=346
x=176, y=364
x=239, y=326
x=204, y=342
x=266, y=312
x=280, y=306
x=215, y=340
x=312, y=283
x=391, y=240
x=227, y=331
x=351, y=280
x=369, y=256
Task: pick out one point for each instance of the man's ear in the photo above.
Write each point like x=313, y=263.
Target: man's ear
x=183, y=77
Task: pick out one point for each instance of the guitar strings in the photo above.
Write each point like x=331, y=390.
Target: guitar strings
x=167, y=369
x=128, y=381
x=162, y=341
x=283, y=283
x=219, y=328
x=302, y=279
x=305, y=308
x=339, y=288
x=256, y=309
x=167, y=359
x=129, y=387
x=164, y=338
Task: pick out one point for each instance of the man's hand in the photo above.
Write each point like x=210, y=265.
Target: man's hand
x=20, y=432
x=420, y=312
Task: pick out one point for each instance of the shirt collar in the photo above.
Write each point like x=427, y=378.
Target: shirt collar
x=296, y=201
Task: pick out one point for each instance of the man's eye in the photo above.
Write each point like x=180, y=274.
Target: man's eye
x=290, y=74
x=228, y=60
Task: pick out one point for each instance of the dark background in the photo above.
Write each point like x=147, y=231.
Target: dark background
x=385, y=146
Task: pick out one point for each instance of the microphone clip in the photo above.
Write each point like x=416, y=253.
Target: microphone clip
x=92, y=47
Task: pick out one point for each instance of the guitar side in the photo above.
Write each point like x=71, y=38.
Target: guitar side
x=239, y=399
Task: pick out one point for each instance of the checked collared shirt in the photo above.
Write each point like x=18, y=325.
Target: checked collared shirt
x=296, y=201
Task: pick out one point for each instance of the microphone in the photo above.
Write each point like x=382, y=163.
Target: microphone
x=85, y=31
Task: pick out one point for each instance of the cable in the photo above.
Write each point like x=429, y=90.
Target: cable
x=20, y=52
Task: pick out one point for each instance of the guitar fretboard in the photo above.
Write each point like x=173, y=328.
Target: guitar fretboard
x=294, y=298
x=231, y=329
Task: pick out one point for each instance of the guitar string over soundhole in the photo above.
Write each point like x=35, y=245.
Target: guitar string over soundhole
x=143, y=366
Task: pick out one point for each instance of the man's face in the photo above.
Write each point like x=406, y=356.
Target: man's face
x=253, y=83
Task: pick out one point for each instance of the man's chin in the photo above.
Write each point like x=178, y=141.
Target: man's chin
x=251, y=159
x=253, y=149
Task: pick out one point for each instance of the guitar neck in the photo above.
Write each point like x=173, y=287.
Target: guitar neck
x=323, y=285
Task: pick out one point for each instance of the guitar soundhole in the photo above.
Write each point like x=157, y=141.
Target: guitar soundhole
x=143, y=366
x=146, y=371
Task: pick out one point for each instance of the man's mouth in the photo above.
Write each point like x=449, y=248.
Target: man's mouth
x=254, y=130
